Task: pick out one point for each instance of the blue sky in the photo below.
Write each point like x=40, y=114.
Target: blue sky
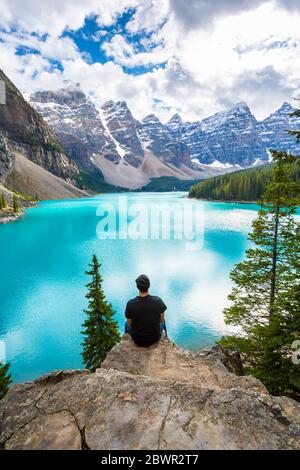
x=158, y=55
x=91, y=39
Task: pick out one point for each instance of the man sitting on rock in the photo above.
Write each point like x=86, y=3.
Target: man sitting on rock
x=145, y=315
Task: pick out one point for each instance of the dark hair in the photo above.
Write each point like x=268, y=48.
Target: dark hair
x=143, y=283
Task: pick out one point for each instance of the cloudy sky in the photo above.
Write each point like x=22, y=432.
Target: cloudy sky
x=195, y=57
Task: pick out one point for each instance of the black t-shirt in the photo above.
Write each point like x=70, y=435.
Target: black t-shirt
x=145, y=315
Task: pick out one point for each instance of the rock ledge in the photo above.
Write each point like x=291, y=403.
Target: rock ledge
x=160, y=397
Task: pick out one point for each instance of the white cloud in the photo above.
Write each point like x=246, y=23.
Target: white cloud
x=216, y=53
x=149, y=15
x=124, y=53
x=55, y=15
x=118, y=48
x=51, y=47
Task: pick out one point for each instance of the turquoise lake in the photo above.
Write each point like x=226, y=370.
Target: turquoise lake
x=44, y=256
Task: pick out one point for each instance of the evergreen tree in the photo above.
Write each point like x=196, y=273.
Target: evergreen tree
x=5, y=380
x=16, y=205
x=244, y=185
x=265, y=297
x=3, y=203
x=100, y=330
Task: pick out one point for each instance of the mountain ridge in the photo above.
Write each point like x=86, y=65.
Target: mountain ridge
x=107, y=149
x=225, y=142
x=128, y=153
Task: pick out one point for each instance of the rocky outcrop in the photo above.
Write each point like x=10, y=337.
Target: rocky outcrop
x=26, y=132
x=229, y=137
x=273, y=130
x=123, y=128
x=76, y=123
x=160, y=397
x=6, y=161
x=25, y=135
x=235, y=137
x=157, y=138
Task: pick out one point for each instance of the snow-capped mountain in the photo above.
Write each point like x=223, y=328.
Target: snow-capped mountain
x=174, y=126
x=224, y=139
x=156, y=137
x=129, y=152
x=273, y=129
x=122, y=128
x=76, y=123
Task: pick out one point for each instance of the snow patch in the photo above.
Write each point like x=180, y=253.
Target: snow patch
x=220, y=165
x=269, y=155
x=258, y=162
x=120, y=150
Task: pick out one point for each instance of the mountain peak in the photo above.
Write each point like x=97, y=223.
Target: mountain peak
x=72, y=93
x=71, y=86
x=285, y=108
x=175, y=120
x=241, y=106
x=110, y=104
x=151, y=118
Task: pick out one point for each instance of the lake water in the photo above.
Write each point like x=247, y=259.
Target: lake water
x=44, y=256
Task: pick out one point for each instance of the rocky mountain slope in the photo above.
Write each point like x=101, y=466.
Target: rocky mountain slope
x=235, y=137
x=24, y=133
x=122, y=128
x=76, y=123
x=127, y=152
x=157, y=138
x=225, y=139
x=160, y=397
x=105, y=148
x=273, y=130
x=38, y=181
x=113, y=141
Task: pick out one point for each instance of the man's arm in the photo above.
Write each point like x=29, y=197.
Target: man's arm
x=128, y=314
x=163, y=309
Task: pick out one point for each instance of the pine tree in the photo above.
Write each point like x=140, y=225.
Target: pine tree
x=244, y=185
x=5, y=380
x=100, y=330
x=265, y=297
x=3, y=203
x=16, y=205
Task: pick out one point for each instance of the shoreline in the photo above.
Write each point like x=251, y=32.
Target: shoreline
x=8, y=216
x=11, y=217
x=222, y=200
